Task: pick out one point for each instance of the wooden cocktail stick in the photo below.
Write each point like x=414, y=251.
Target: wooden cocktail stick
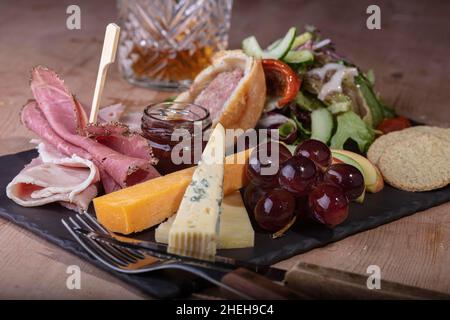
x=108, y=57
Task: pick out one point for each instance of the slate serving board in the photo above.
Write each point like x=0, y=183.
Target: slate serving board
x=377, y=209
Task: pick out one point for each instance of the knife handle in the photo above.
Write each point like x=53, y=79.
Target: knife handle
x=257, y=286
x=317, y=282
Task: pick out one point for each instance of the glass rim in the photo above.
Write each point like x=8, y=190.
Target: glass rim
x=168, y=104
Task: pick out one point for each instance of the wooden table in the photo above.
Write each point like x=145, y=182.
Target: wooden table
x=408, y=55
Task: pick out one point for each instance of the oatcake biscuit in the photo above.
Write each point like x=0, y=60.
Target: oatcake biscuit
x=442, y=133
x=417, y=162
x=385, y=141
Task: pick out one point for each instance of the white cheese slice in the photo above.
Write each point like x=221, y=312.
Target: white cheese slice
x=235, y=230
x=195, y=230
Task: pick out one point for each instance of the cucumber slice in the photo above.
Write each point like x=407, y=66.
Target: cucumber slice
x=276, y=50
x=321, y=125
x=280, y=50
x=251, y=47
x=308, y=102
x=301, y=39
x=298, y=56
x=274, y=44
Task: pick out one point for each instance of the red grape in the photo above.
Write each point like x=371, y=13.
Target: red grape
x=297, y=175
x=348, y=177
x=328, y=204
x=319, y=177
x=252, y=194
x=301, y=207
x=262, y=162
x=275, y=210
x=315, y=150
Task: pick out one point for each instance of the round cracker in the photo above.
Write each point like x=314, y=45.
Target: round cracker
x=442, y=133
x=385, y=141
x=417, y=163
x=380, y=144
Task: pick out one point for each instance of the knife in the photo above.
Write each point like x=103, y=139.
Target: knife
x=304, y=280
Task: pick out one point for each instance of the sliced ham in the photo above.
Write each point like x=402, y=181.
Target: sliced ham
x=116, y=113
x=54, y=177
x=81, y=200
x=66, y=117
x=133, y=121
x=81, y=116
x=118, y=137
x=33, y=118
x=111, y=113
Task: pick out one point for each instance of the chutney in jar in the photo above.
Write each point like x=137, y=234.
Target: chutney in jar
x=177, y=133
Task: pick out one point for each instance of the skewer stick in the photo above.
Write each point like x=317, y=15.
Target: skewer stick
x=108, y=57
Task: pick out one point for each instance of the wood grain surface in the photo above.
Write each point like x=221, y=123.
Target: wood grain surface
x=408, y=56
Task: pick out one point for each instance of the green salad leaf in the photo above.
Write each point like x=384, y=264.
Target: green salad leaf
x=370, y=99
x=388, y=112
x=351, y=126
x=370, y=76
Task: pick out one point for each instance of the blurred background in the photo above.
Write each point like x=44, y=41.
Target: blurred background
x=409, y=55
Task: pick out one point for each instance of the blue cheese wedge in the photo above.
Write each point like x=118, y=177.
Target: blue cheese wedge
x=235, y=232
x=195, y=231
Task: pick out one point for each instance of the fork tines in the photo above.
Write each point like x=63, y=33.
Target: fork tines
x=127, y=260
x=105, y=252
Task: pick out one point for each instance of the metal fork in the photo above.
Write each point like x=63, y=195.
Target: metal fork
x=133, y=261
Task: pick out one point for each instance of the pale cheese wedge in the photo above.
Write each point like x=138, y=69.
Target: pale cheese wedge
x=235, y=230
x=195, y=231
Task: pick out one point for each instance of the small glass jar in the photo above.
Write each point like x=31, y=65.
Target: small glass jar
x=178, y=125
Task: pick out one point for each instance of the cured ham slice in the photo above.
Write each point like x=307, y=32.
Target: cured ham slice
x=54, y=177
x=133, y=121
x=118, y=137
x=66, y=118
x=33, y=118
x=111, y=113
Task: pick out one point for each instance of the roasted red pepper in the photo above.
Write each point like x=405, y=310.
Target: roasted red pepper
x=394, y=124
x=281, y=81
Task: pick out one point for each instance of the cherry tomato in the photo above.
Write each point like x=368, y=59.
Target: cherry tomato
x=281, y=81
x=394, y=124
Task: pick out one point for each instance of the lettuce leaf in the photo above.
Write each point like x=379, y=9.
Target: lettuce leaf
x=351, y=126
x=370, y=98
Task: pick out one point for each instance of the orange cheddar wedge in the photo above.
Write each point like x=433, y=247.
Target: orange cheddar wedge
x=149, y=203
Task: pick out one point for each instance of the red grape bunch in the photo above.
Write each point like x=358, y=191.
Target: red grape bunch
x=306, y=184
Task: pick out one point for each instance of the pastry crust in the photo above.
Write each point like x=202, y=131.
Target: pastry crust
x=244, y=107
